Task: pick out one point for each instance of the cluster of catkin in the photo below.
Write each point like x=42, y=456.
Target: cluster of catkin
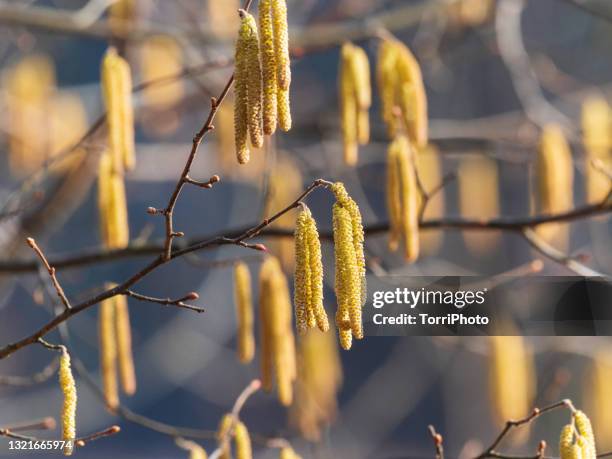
x=68, y=387
x=262, y=77
x=308, y=278
x=403, y=198
x=402, y=92
x=350, y=266
x=355, y=100
x=511, y=379
x=554, y=190
x=243, y=297
x=597, y=139
x=115, y=346
x=277, y=356
x=577, y=440
x=230, y=427
x=318, y=382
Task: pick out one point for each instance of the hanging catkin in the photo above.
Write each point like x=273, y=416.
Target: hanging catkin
x=318, y=382
x=248, y=88
x=117, y=95
x=281, y=43
x=268, y=64
x=68, y=387
x=599, y=397
x=554, y=173
x=277, y=340
x=123, y=332
x=596, y=122
x=244, y=312
x=403, y=96
x=403, y=198
x=308, y=291
x=108, y=352
x=567, y=448
x=112, y=205
x=355, y=100
x=287, y=452
x=242, y=440
x=511, y=379
x=584, y=430
x=224, y=435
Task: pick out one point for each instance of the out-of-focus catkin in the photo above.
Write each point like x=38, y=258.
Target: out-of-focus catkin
x=108, y=352
x=197, y=452
x=277, y=339
x=112, y=205
x=120, y=15
x=355, y=100
x=288, y=452
x=404, y=100
x=429, y=170
x=161, y=59
x=479, y=199
x=123, y=332
x=223, y=436
x=318, y=382
x=29, y=85
x=554, y=174
x=599, y=397
x=117, y=95
x=242, y=440
x=308, y=291
x=244, y=312
x=68, y=387
x=68, y=124
x=596, y=128
x=403, y=198
x=511, y=380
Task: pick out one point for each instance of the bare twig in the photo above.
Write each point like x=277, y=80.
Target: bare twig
x=180, y=302
x=112, y=430
x=24, y=381
x=438, y=442
x=47, y=423
x=51, y=271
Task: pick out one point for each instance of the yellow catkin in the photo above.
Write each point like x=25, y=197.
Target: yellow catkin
x=120, y=14
x=241, y=93
x=244, y=312
x=117, y=95
x=554, y=174
x=387, y=79
x=511, y=379
x=161, y=59
x=363, y=90
x=197, y=452
x=479, y=199
x=254, y=83
x=346, y=201
x=108, y=352
x=347, y=276
x=268, y=64
x=227, y=422
x=278, y=342
x=68, y=124
x=403, y=205
x=29, y=85
x=429, y=169
x=566, y=443
x=284, y=110
x=599, y=397
x=281, y=43
x=284, y=183
x=68, y=387
x=112, y=205
x=596, y=123
x=319, y=380
x=242, y=440
x=585, y=430
x=308, y=278
x=123, y=332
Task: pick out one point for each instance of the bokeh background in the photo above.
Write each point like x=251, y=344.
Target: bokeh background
x=186, y=366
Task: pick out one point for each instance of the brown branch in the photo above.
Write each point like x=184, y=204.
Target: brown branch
x=437, y=441
x=180, y=302
x=47, y=423
x=51, y=270
x=112, y=430
x=537, y=412
x=37, y=378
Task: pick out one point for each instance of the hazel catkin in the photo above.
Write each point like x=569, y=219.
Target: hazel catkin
x=242, y=441
x=281, y=43
x=268, y=64
x=68, y=387
x=585, y=431
x=112, y=205
x=244, y=312
x=566, y=443
x=123, y=332
x=596, y=122
x=108, y=352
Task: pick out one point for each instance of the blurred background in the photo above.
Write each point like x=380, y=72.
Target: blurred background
x=495, y=72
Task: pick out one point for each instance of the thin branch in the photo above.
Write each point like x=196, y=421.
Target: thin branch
x=112, y=430
x=437, y=441
x=24, y=381
x=51, y=271
x=47, y=423
x=180, y=302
